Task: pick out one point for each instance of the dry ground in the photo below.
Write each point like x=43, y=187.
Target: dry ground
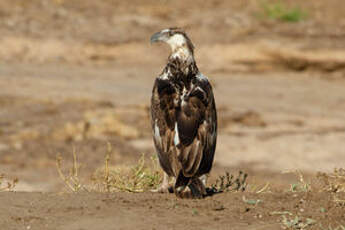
x=157, y=211
x=79, y=73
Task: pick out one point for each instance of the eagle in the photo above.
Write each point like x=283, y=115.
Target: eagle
x=183, y=118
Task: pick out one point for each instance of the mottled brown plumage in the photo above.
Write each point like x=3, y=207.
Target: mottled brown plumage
x=183, y=116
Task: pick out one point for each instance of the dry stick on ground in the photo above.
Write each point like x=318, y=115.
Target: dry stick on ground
x=107, y=183
x=265, y=188
x=72, y=181
x=339, y=201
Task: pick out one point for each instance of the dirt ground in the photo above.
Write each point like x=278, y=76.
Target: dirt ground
x=79, y=73
x=159, y=211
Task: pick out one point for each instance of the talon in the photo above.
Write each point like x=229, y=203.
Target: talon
x=197, y=188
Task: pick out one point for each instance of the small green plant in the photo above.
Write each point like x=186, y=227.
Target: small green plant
x=279, y=11
x=228, y=183
x=297, y=222
x=251, y=201
x=195, y=212
x=301, y=185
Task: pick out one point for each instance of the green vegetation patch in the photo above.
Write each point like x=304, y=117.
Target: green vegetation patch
x=279, y=11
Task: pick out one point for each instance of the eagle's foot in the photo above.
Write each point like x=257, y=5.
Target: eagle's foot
x=190, y=192
x=197, y=188
x=179, y=191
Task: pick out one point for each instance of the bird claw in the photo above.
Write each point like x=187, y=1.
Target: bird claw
x=179, y=190
x=197, y=188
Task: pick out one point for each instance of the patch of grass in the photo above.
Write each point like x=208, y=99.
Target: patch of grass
x=138, y=178
x=290, y=222
x=195, y=212
x=297, y=222
x=251, y=201
x=301, y=185
x=107, y=181
x=333, y=182
x=278, y=11
x=229, y=183
x=71, y=179
x=340, y=227
x=7, y=185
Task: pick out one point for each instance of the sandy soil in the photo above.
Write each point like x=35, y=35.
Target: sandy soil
x=79, y=74
x=130, y=211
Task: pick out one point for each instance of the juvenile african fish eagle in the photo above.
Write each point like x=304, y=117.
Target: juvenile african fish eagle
x=183, y=117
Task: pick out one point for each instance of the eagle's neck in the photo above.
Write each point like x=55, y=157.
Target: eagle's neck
x=181, y=61
x=179, y=69
x=183, y=53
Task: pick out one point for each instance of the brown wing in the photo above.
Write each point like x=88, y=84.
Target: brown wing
x=197, y=129
x=209, y=132
x=163, y=123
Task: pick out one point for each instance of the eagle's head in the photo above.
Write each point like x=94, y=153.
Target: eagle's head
x=181, y=46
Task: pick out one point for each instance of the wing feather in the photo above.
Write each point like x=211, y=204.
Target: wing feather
x=163, y=124
x=187, y=131
x=197, y=124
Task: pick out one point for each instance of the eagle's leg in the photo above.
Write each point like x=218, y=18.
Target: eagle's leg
x=197, y=188
x=203, y=179
x=164, y=187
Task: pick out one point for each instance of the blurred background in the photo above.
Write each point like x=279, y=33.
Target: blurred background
x=79, y=73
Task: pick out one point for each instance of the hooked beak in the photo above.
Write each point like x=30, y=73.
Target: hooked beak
x=157, y=37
